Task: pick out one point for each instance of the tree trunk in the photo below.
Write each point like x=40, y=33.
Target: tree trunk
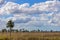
x=10, y=33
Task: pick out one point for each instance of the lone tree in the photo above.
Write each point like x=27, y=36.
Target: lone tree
x=10, y=24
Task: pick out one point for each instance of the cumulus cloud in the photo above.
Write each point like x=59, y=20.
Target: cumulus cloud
x=2, y=1
x=52, y=0
x=40, y=14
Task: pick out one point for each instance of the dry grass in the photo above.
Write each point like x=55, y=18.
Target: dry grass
x=31, y=36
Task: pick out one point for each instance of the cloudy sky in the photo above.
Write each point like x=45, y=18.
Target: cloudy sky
x=31, y=14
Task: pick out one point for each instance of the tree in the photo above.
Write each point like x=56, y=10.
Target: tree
x=38, y=30
x=10, y=24
x=16, y=30
x=51, y=31
x=4, y=30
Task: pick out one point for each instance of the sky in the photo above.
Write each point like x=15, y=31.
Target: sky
x=31, y=2
x=31, y=14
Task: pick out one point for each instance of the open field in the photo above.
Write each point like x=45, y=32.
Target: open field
x=31, y=36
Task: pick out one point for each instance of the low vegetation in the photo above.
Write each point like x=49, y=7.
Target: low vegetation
x=30, y=36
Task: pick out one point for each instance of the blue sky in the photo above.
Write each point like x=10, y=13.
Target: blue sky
x=31, y=2
x=31, y=15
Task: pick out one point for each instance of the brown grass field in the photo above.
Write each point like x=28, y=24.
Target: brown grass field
x=31, y=36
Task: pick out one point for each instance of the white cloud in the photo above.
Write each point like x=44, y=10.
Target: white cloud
x=52, y=0
x=40, y=14
x=2, y=1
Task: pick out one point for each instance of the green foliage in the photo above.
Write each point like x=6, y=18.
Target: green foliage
x=4, y=30
x=10, y=24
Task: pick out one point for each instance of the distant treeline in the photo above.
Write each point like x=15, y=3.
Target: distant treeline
x=23, y=30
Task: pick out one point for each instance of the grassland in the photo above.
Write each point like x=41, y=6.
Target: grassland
x=31, y=36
